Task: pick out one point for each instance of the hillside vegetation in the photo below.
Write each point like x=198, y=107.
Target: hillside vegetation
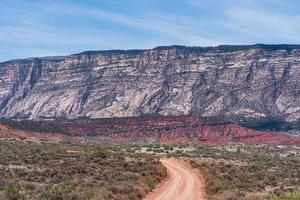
x=63, y=171
x=248, y=172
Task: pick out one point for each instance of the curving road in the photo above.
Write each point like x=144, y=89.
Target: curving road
x=183, y=183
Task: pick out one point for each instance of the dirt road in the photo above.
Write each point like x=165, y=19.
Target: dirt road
x=183, y=183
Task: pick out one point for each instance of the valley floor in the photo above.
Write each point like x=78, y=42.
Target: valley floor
x=56, y=171
x=61, y=171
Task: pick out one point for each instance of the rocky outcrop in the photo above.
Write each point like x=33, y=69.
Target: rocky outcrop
x=237, y=82
x=175, y=129
x=156, y=129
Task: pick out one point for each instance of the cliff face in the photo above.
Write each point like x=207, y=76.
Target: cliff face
x=259, y=81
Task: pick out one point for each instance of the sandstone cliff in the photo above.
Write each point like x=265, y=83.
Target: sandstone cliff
x=256, y=81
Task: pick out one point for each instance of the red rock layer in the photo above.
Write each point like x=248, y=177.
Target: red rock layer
x=7, y=132
x=175, y=129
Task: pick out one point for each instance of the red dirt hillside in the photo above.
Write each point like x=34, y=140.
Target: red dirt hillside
x=8, y=132
x=175, y=129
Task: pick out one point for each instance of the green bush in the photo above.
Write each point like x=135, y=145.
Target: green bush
x=61, y=191
x=12, y=192
x=151, y=184
x=101, y=153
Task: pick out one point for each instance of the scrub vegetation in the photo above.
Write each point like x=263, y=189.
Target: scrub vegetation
x=67, y=171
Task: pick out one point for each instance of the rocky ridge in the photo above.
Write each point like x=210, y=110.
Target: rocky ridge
x=150, y=129
x=157, y=129
x=235, y=82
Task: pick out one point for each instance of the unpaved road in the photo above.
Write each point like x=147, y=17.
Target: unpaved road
x=183, y=183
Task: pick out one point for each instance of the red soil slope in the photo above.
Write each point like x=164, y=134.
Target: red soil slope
x=7, y=132
x=176, y=129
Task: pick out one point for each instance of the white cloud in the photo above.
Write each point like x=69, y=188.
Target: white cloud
x=31, y=24
x=253, y=20
x=181, y=28
x=264, y=24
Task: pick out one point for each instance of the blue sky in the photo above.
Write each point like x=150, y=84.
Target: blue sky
x=61, y=27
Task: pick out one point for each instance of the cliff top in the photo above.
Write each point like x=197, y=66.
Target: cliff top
x=190, y=49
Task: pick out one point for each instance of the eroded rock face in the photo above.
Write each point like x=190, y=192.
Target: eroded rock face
x=234, y=81
x=173, y=129
x=185, y=129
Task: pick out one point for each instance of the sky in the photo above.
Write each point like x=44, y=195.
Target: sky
x=31, y=28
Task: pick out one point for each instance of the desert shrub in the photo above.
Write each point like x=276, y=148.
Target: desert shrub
x=151, y=184
x=289, y=196
x=247, y=172
x=101, y=153
x=178, y=152
x=50, y=171
x=60, y=191
x=12, y=192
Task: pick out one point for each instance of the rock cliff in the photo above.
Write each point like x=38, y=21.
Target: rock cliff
x=236, y=82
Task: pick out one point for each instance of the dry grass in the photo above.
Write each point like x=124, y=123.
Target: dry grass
x=245, y=172
x=61, y=171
